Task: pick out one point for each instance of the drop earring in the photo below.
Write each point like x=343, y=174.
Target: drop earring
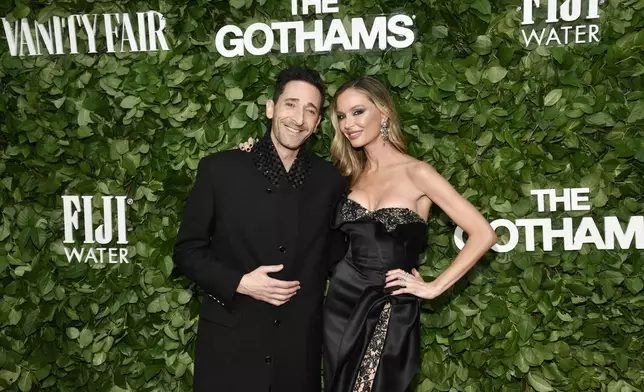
x=384, y=130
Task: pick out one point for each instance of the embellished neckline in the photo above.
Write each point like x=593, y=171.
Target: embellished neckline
x=371, y=212
x=268, y=162
x=390, y=217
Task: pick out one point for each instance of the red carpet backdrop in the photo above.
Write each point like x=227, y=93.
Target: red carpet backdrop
x=534, y=110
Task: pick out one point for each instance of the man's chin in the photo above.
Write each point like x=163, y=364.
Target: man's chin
x=294, y=144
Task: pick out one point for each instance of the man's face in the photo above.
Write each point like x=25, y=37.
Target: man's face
x=295, y=115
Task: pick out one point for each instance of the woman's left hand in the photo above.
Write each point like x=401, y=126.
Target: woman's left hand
x=411, y=284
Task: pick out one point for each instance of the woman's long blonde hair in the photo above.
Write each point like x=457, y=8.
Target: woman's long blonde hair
x=351, y=161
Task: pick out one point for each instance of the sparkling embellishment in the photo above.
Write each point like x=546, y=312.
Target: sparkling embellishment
x=391, y=217
x=371, y=359
x=270, y=165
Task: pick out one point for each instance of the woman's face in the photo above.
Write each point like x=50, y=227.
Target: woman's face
x=359, y=119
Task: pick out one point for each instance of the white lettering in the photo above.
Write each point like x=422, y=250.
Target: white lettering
x=127, y=34
x=368, y=38
x=268, y=42
x=110, y=32
x=327, y=6
x=90, y=30
x=613, y=230
x=237, y=43
x=336, y=36
x=156, y=34
x=394, y=28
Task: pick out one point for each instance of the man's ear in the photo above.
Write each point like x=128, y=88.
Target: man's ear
x=270, y=108
x=317, y=124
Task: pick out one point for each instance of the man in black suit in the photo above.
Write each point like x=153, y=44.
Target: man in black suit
x=255, y=236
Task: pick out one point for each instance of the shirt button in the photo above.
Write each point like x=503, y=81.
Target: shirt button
x=269, y=190
x=282, y=249
x=268, y=360
x=277, y=323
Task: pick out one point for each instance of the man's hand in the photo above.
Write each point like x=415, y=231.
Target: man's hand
x=259, y=285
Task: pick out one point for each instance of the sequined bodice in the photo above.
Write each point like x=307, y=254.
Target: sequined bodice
x=383, y=239
x=391, y=217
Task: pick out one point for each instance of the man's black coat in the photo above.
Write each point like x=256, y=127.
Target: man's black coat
x=243, y=212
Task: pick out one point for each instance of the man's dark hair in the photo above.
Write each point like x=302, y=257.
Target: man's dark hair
x=297, y=72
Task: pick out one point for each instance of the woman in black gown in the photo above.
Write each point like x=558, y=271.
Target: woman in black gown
x=371, y=312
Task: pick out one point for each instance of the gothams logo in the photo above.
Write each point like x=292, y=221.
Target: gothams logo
x=385, y=31
x=564, y=23
x=586, y=232
x=144, y=33
x=103, y=234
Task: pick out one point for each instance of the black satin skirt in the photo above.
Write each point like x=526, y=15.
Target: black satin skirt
x=352, y=309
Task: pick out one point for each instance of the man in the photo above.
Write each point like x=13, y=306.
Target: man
x=255, y=235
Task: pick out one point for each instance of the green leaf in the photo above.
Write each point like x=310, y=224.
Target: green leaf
x=552, y=97
x=235, y=123
x=611, y=277
x=237, y=3
x=234, y=93
x=495, y=74
x=9, y=376
x=539, y=383
x=473, y=76
x=601, y=119
x=440, y=31
x=121, y=146
x=634, y=285
x=252, y=111
x=130, y=101
x=84, y=132
x=532, y=276
x=14, y=317
x=396, y=77
x=184, y=297
x=564, y=317
x=637, y=112
x=83, y=118
x=483, y=45
x=99, y=358
x=526, y=327
x=21, y=11
x=484, y=139
x=154, y=306
x=482, y=6
x=85, y=338
x=25, y=381
x=600, y=199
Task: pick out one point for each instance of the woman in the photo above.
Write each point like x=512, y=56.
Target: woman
x=371, y=312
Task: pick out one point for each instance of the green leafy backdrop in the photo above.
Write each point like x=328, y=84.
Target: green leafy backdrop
x=494, y=118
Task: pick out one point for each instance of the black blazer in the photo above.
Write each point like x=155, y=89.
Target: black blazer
x=241, y=215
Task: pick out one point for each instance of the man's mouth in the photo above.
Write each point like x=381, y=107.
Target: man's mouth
x=292, y=130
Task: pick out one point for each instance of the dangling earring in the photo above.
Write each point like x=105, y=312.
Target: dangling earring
x=384, y=130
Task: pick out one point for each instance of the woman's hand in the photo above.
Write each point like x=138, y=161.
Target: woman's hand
x=411, y=284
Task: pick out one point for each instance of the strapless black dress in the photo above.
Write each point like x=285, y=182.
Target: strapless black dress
x=372, y=338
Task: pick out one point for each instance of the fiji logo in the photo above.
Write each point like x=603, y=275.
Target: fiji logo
x=103, y=234
x=566, y=22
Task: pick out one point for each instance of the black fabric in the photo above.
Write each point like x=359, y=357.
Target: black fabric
x=234, y=221
x=270, y=165
x=356, y=296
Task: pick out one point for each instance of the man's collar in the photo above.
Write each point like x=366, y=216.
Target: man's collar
x=268, y=162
